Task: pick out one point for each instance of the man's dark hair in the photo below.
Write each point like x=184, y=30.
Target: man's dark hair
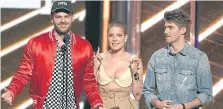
x=181, y=18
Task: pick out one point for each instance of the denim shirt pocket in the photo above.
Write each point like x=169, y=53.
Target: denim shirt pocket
x=186, y=77
x=160, y=75
x=161, y=79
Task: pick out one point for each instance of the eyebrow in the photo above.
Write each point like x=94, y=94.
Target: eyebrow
x=115, y=33
x=168, y=26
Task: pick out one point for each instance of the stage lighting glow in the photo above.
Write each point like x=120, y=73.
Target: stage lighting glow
x=210, y=30
x=19, y=20
x=28, y=16
x=25, y=104
x=217, y=87
x=81, y=15
x=150, y=22
x=23, y=42
x=5, y=83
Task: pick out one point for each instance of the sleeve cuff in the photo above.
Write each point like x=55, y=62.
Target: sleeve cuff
x=149, y=100
x=12, y=93
x=204, y=98
x=98, y=105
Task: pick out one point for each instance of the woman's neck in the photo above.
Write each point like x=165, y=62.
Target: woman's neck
x=117, y=54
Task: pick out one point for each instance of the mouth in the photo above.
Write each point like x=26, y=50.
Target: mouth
x=115, y=44
x=63, y=26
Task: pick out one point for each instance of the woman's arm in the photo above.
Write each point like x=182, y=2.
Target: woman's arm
x=137, y=77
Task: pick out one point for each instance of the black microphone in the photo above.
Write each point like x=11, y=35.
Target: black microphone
x=66, y=42
x=66, y=39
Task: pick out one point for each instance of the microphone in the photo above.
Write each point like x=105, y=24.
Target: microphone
x=66, y=42
x=66, y=39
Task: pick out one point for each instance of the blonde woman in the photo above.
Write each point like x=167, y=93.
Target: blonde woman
x=118, y=73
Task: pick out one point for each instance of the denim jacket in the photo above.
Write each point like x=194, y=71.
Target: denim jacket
x=179, y=77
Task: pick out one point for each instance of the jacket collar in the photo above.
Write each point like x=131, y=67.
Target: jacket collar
x=183, y=52
x=53, y=37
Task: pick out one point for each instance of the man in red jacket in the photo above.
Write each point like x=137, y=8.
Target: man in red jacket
x=57, y=63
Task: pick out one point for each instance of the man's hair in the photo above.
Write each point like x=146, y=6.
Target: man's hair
x=118, y=24
x=181, y=18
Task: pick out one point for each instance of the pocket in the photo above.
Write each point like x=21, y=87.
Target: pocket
x=186, y=72
x=186, y=77
x=161, y=79
x=161, y=75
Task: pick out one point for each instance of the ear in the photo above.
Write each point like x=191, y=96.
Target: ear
x=183, y=30
x=51, y=18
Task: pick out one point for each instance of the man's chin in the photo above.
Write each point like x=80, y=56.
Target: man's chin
x=62, y=32
x=167, y=42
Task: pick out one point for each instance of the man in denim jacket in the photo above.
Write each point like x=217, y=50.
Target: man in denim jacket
x=179, y=75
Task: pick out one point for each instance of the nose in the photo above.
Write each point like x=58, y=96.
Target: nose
x=114, y=38
x=63, y=19
x=165, y=31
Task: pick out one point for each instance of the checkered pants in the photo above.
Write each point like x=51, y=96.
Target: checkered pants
x=61, y=92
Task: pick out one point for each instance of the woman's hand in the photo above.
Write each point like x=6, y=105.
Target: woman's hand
x=97, y=60
x=134, y=64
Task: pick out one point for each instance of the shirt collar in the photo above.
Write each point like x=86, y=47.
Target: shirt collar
x=183, y=52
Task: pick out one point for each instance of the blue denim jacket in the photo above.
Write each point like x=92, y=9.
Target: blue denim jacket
x=178, y=77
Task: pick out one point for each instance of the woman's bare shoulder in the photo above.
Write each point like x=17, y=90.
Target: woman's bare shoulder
x=128, y=55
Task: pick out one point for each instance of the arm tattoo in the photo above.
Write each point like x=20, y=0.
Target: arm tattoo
x=137, y=94
x=136, y=76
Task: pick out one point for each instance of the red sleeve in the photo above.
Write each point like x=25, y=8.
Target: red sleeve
x=24, y=72
x=89, y=82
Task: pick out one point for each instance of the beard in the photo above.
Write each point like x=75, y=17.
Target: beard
x=61, y=32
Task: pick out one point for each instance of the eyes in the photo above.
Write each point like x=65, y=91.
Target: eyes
x=112, y=35
x=59, y=17
x=168, y=27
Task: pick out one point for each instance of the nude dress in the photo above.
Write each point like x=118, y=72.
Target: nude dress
x=113, y=98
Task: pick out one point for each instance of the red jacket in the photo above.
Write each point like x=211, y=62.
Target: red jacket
x=37, y=67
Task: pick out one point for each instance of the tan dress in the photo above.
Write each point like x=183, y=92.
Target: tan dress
x=116, y=97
